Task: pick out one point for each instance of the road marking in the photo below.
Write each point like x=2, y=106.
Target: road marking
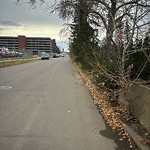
x=5, y=87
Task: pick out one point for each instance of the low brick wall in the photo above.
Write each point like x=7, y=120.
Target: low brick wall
x=140, y=104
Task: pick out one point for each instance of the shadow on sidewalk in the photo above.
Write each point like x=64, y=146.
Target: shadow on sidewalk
x=110, y=134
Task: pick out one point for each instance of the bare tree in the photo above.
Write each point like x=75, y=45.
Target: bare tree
x=113, y=17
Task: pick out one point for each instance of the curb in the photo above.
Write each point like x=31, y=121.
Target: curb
x=135, y=137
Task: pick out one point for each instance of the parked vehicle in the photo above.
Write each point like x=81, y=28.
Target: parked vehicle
x=55, y=55
x=44, y=55
x=18, y=54
x=2, y=53
x=61, y=55
x=6, y=53
x=12, y=53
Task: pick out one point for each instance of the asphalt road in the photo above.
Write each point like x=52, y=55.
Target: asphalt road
x=44, y=105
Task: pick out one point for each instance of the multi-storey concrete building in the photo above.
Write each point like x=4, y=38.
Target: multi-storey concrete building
x=11, y=42
x=32, y=45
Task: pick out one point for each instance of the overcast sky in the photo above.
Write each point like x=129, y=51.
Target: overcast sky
x=23, y=20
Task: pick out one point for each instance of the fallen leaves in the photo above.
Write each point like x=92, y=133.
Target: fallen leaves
x=110, y=114
x=145, y=141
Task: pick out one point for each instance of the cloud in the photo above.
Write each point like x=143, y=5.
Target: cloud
x=17, y=15
x=9, y=23
x=31, y=30
x=25, y=20
x=1, y=29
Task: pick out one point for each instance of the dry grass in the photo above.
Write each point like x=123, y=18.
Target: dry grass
x=5, y=62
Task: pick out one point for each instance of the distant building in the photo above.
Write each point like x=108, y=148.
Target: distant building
x=55, y=49
x=7, y=41
x=32, y=45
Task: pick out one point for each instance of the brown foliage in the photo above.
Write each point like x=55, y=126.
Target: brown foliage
x=110, y=114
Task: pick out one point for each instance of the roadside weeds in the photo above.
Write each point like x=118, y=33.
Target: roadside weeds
x=15, y=61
